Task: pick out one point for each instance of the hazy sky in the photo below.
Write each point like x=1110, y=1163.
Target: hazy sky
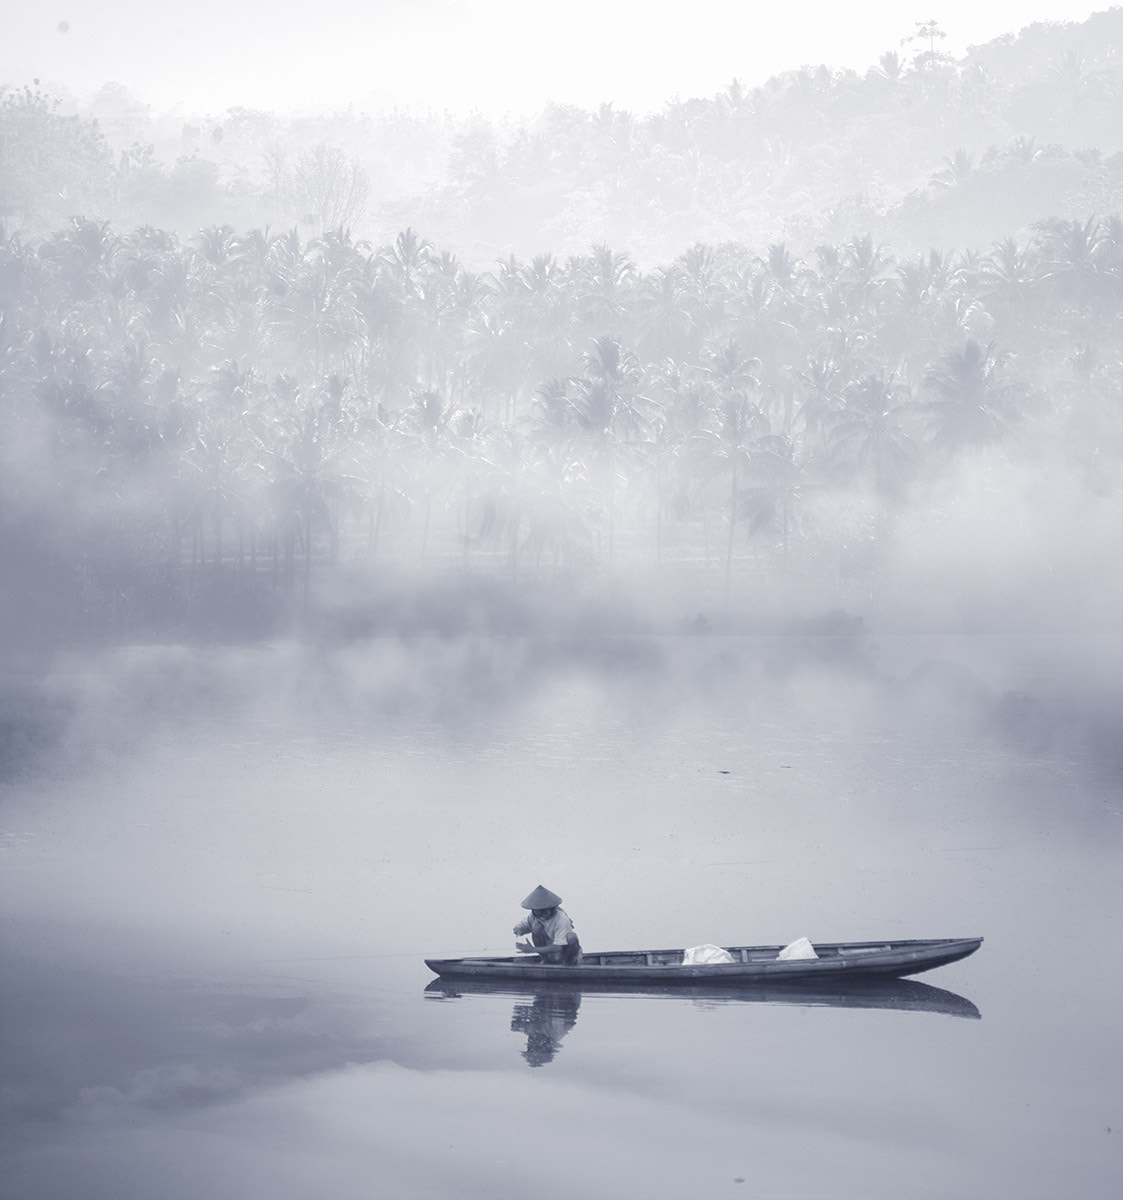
x=492, y=55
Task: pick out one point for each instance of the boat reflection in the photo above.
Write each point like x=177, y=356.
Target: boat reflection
x=546, y=1012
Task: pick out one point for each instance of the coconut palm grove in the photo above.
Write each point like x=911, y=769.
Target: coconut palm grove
x=258, y=370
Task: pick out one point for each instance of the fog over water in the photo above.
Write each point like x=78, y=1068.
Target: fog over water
x=220, y=889
x=700, y=493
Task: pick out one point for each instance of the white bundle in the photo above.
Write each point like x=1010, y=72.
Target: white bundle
x=800, y=948
x=705, y=954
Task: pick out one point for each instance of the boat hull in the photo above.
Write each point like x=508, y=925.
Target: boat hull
x=752, y=965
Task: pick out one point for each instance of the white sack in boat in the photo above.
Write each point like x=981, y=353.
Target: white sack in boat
x=800, y=948
x=705, y=954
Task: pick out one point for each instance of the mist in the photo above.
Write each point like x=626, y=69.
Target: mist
x=223, y=865
x=566, y=449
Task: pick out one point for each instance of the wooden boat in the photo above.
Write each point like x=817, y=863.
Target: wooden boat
x=751, y=965
x=882, y=992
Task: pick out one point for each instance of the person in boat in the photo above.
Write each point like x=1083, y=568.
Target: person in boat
x=552, y=935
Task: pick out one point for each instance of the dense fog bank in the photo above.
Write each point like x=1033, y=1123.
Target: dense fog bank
x=714, y=514
x=830, y=677
x=205, y=440
x=842, y=353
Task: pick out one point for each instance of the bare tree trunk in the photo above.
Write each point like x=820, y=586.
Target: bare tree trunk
x=729, y=540
x=307, y=558
x=375, y=529
x=611, y=510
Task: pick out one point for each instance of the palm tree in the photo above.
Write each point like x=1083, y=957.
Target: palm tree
x=604, y=289
x=311, y=478
x=732, y=371
x=970, y=404
x=611, y=411
x=1008, y=273
x=889, y=66
x=534, y=499
x=378, y=451
x=869, y=434
x=782, y=266
x=722, y=449
x=405, y=260
x=775, y=488
x=956, y=170
x=213, y=484
x=320, y=308
x=821, y=385
x=428, y=425
x=84, y=254
x=666, y=323
x=1079, y=262
x=865, y=267
x=927, y=305
x=553, y=414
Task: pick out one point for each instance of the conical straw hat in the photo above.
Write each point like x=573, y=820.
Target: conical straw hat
x=541, y=898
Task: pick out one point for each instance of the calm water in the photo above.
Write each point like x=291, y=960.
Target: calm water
x=219, y=889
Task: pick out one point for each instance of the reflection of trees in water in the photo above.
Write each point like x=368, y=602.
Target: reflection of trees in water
x=545, y=1021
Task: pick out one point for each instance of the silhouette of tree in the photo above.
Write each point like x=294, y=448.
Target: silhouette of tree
x=970, y=403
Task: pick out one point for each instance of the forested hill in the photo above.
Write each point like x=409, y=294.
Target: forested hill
x=921, y=151
x=838, y=342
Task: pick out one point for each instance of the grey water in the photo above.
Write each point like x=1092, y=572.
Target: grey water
x=222, y=872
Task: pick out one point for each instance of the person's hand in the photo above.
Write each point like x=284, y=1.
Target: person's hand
x=516, y=931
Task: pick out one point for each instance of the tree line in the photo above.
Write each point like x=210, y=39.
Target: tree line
x=247, y=409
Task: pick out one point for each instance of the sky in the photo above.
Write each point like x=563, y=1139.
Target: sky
x=491, y=56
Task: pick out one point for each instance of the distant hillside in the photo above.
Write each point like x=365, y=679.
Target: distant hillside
x=921, y=151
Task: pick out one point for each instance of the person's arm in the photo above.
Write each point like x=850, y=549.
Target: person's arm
x=522, y=927
x=550, y=952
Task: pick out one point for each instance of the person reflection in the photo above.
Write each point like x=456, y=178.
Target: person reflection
x=545, y=1021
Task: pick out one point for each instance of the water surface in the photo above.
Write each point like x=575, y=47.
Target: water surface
x=220, y=885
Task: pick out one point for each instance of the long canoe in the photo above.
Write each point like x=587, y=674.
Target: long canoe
x=751, y=965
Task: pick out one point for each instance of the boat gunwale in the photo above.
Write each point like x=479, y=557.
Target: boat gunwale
x=898, y=958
